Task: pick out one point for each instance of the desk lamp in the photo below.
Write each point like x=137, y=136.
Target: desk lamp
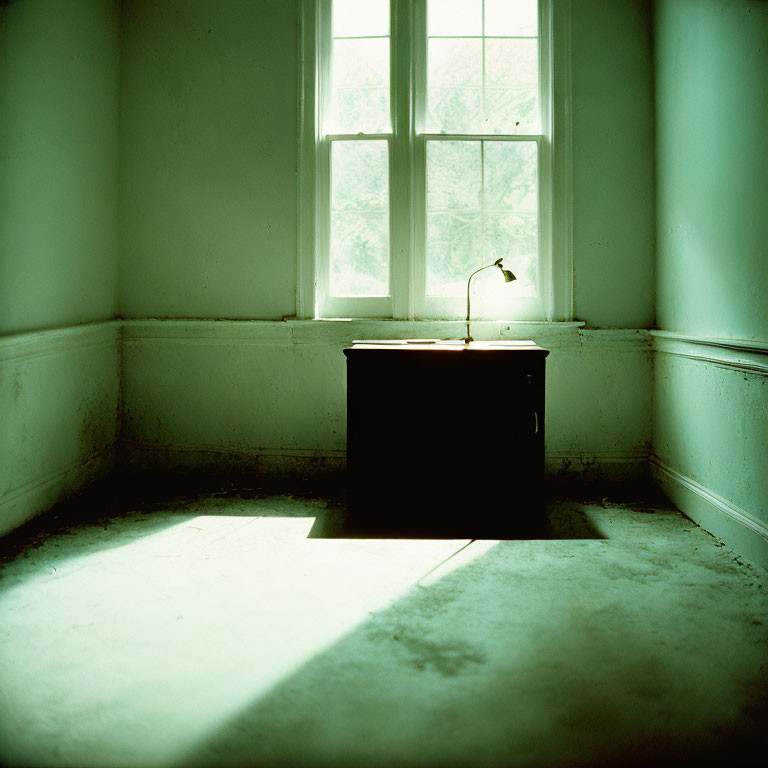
x=508, y=278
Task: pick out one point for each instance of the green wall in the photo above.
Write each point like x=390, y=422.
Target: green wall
x=59, y=388
x=712, y=165
x=709, y=420
x=58, y=163
x=613, y=173
x=208, y=158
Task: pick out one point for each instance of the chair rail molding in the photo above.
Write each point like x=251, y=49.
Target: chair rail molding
x=740, y=354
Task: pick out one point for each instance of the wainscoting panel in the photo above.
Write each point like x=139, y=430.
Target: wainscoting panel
x=710, y=427
x=59, y=400
x=272, y=395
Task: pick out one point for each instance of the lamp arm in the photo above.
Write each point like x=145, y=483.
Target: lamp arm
x=469, y=281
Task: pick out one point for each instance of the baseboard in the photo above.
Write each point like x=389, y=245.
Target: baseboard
x=603, y=472
x=41, y=494
x=289, y=463
x=577, y=468
x=739, y=530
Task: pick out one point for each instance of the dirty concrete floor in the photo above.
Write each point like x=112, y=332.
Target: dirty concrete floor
x=246, y=629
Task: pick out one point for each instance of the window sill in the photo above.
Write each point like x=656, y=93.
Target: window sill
x=346, y=330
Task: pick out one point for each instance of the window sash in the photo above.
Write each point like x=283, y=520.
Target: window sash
x=447, y=308
x=345, y=306
x=407, y=182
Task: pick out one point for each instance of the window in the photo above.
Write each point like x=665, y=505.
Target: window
x=434, y=141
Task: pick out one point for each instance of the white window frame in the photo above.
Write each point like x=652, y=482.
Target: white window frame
x=407, y=173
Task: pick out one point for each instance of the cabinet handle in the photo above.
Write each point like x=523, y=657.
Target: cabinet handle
x=535, y=422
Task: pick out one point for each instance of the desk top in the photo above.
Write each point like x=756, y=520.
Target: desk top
x=446, y=345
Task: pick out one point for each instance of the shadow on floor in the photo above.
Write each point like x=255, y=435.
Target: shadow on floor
x=557, y=519
x=494, y=665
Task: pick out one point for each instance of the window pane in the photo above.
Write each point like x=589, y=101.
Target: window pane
x=511, y=62
x=454, y=110
x=511, y=111
x=482, y=202
x=453, y=252
x=360, y=86
x=511, y=17
x=454, y=221
x=514, y=237
x=454, y=175
x=359, y=257
x=455, y=78
x=454, y=17
x=510, y=176
x=357, y=18
x=455, y=62
x=510, y=222
x=483, y=84
x=511, y=86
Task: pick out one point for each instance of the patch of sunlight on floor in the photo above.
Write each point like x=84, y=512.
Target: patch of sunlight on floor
x=160, y=640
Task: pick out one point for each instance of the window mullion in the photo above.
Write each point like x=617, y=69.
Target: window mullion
x=308, y=214
x=323, y=222
x=418, y=168
x=401, y=253
x=324, y=53
x=558, y=61
x=482, y=200
x=482, y=63
x=324, y=44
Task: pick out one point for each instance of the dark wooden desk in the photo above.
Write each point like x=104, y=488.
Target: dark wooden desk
x=446, y=439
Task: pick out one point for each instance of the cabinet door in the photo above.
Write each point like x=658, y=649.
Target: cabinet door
x=503, y=444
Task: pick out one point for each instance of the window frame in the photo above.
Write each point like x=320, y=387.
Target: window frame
x=407, y=180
